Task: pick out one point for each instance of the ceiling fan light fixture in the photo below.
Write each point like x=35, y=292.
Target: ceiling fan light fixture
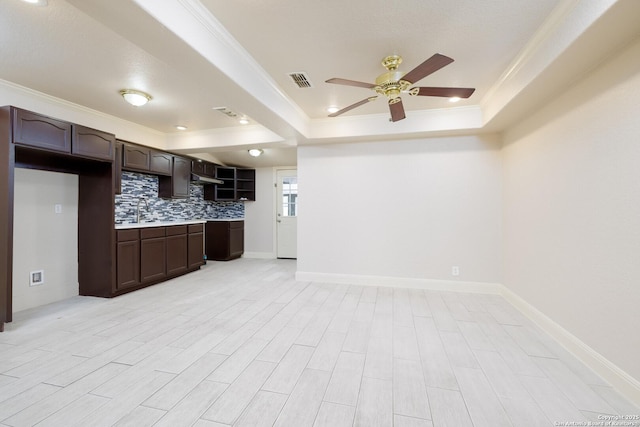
x=255, y=152
x=135, y=97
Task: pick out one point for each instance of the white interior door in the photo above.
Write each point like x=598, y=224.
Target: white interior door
x=286, y=213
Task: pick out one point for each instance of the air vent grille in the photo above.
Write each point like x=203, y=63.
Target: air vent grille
x=301, y=79
x=226, y=111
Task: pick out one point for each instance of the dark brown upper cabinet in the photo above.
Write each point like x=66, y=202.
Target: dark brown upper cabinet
x=93, y=144
x=246, y=184
x=160, y=163
x=40, y=131
x=176, y=186
x=136, y=158
x=200, y=167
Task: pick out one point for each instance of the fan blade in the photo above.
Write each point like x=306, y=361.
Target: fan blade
x=350, y=83
x=352, y=106
x=447, y=92
x=429, y=66
x=397, y=110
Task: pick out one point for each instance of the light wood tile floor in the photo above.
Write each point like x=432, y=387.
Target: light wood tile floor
x=242, y=343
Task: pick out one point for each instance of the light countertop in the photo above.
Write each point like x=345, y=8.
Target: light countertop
x=159, y=224
x=170, y=223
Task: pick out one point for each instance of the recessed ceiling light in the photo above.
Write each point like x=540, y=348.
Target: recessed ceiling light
x=332, y=109
x=243, y=121
x=454, y=99
x=180, y=127
x=255, y=152
x=135, y=97
x=36, y=2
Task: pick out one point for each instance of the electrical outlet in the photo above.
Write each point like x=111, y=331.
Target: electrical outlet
x=455, y=270
x=36, y=278
x=57, y=208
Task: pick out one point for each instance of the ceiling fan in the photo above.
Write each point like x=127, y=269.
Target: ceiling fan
x=394, y=82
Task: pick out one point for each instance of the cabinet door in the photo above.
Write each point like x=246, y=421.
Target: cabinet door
x=176, y=249
x=91, y=143
x=197, y=166
x=196, y=250
x=160, y=162
x=152, y=259
x=236, y=241
x=181, y=177
x=40, y=131
x=210, y=170
x=128, y=254
x=136, y=158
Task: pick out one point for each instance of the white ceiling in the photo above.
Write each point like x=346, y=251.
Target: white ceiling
x=192, y=56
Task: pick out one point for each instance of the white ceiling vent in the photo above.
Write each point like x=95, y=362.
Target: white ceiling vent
x=301, y=79
x=226, y=111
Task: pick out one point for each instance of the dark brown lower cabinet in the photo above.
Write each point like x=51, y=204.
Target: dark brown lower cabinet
x=146, y=256
x=196, y=245
x=225, y=240
x=128, y=259
x=177, y=247
x=153, y=248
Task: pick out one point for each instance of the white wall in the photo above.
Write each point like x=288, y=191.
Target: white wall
x=401, y=209
x=44, y=240
x=260, y=218
x=572, y=210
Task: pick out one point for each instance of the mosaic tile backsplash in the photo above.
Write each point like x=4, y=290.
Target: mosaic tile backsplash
x=136, y=186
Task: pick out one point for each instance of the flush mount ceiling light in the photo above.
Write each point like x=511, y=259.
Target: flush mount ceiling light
x=454, y=99
x=255, y=152
x=180, y=127
x=36, y=2
x=135, y=97
x=243, y=121
x=332, y=110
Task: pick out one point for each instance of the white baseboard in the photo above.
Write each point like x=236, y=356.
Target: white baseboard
x=620, y=380
x=400, y=282
x=259, y=255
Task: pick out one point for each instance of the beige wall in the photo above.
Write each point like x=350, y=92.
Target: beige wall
x=260, y=218
x=44, y=240
x=402, y=209
x=572, y=210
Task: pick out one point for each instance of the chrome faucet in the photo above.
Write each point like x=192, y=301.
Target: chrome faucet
x=141, y=199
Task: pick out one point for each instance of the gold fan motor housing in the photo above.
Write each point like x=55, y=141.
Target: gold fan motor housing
x=390, y=84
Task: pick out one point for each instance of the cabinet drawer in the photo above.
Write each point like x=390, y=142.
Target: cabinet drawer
x=150, y=233
x=236, y=224
x=175, y=230
x=41, y=131
x=196, y=228
x=128, y=235
x=92, y=143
